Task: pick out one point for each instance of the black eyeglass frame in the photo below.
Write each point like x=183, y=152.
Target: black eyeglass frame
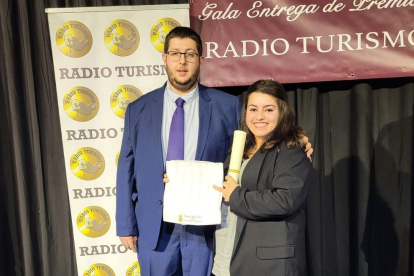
x=186, y=55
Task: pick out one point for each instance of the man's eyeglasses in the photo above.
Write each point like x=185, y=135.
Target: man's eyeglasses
x=189, y=57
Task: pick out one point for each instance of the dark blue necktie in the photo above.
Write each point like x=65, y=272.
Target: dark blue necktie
x=176, y=139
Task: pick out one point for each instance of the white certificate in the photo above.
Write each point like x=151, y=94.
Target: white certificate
x=189, y=196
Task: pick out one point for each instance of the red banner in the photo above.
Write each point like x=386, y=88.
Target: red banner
x=302, y=41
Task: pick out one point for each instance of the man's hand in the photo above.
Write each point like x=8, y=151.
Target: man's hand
x=165, y=179
x=228, y=187
x=130, y=242
x=306, y=146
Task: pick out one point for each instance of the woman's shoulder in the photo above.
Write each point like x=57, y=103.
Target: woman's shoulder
x=283, y=146
x=295, y=151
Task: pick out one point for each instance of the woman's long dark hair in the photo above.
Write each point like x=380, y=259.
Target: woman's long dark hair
x=286, y=128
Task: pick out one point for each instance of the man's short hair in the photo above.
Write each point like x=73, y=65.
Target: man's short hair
x=184, y=32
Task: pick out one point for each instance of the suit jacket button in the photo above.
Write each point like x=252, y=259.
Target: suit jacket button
x=160, y=202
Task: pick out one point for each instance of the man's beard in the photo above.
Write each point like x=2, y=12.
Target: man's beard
x=186, y=85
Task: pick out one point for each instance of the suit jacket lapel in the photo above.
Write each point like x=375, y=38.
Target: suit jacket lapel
x=205, y=108
x=156, y=118
x=252, y=171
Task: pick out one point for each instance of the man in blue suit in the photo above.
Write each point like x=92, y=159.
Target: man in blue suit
x=210, y=117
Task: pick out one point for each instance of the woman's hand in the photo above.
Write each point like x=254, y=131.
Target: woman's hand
x=228, y=187
x=165, y=179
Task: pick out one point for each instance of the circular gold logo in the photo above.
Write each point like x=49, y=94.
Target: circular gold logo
x=122, y=97
x=87, y=163
x=93, y=221
x=134, y=270
x=74, y=39
x=117, y=158
x=160, y=30
x=81, y=104
x=99, y=270
x=121, y=38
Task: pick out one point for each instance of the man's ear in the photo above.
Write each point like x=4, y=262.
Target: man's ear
x=164, y=59
x=201, y=61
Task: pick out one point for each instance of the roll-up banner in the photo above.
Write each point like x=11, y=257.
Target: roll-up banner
x=304, y=41
x=104, y=58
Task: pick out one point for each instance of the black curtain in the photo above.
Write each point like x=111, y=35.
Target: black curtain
x=360, y=205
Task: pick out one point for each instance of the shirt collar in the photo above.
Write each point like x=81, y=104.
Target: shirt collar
x=188, y=98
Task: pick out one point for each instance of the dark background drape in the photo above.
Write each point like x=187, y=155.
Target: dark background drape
x=360, y=206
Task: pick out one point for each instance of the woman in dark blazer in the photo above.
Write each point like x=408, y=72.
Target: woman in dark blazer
x=270, y=203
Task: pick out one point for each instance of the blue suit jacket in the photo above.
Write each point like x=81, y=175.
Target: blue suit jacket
x=140, y=189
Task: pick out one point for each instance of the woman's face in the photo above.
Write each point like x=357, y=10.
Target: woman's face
x=262, y=115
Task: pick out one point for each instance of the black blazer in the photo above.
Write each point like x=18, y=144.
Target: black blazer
x=270, y=233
